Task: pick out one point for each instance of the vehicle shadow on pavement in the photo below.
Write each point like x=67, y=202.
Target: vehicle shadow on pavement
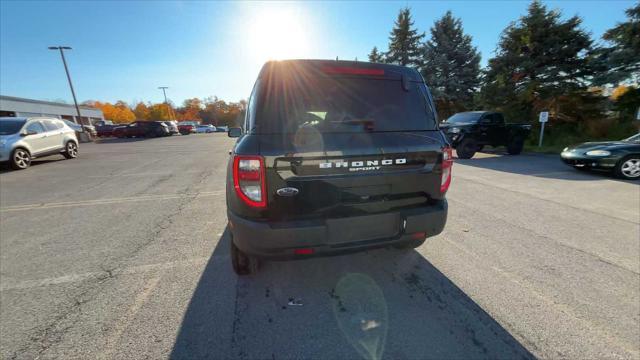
x=378, y=304
x=538, y=165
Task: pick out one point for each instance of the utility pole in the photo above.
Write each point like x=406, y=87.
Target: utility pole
x=73, y=93
x=164, y=92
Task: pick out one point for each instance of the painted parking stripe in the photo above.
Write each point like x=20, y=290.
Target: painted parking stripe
x=9, y=284
x=108, y=201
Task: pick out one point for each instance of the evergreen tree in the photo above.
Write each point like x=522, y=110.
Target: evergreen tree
x=621, y=61
x=540, y=61
x=451, y=66
x=375, y=56
x=404, y=41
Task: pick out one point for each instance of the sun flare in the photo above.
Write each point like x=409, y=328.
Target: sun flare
x=278, y=34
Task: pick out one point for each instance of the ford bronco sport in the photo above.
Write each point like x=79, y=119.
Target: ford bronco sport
x=333, y=157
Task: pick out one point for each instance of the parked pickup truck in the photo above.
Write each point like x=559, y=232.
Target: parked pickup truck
x=470, y=131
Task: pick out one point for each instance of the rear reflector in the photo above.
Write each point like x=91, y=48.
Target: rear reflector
x=419, y=235
x=303, y=251
x=447, y=163
x=352, y=70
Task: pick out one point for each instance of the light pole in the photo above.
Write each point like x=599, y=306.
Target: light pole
x=73, y=93
x=164, y=92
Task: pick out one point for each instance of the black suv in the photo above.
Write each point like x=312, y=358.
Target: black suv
x=335, y=156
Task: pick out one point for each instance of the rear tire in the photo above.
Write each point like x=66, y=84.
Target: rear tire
x=515, y=146
x=70, y=150
x=466, y=149
x=628, y=168
x=242, y=263
x=20, y=159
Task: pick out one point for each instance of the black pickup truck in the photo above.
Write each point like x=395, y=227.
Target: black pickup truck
x=470, y=131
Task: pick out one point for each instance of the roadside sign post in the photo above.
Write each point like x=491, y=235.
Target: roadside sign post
x=543, y=118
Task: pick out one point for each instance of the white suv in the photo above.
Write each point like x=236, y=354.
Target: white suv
x=22, y=139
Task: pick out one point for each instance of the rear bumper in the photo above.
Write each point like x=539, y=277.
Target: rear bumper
x=277, y=241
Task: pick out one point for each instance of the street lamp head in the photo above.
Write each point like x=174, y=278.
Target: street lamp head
x=65, y=47
x=59, y=47
x=53, y=48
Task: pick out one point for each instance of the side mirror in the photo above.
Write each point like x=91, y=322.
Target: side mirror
x=234, y=132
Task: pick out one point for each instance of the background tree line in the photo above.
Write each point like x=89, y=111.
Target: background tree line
x=210, y=110
x=542, y=63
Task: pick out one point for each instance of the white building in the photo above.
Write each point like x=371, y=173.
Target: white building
x=20, y=107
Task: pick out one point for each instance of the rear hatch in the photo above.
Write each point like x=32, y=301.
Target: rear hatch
x=352, y=140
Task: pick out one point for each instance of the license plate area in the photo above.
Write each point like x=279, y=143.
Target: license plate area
x=365, y=193
x=362, y=228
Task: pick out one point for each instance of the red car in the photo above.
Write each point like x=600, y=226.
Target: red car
x=186, y=129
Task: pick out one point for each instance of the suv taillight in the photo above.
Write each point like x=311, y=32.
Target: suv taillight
x=249, y=180
x=447, y=163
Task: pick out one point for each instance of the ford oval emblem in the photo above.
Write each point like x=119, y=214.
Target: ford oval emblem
x=288, y=191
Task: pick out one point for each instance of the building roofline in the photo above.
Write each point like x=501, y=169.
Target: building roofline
x=32, y=101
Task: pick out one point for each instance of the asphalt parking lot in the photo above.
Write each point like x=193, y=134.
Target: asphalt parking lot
x=123, y=253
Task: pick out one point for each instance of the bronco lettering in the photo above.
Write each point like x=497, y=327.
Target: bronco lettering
x=360, y=165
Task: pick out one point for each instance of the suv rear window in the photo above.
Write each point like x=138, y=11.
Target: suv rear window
x=341, y=104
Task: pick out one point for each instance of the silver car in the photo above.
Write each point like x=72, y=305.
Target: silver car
x=22, y=139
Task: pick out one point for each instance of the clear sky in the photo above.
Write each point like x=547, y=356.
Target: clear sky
x=125, y=50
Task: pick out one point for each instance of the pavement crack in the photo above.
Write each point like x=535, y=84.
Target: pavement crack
x=239, y=307
x=553, y=240
x=53, y=333
x=544, y=199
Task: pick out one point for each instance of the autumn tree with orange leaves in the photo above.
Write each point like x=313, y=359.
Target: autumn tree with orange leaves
x=118, y=112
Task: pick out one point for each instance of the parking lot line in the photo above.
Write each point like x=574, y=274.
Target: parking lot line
x=147, y=174
x=7, y=284
x=108, y=201
x=122, y=324
x=602, y=332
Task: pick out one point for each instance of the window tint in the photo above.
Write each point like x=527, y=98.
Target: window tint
x=250, y=119
x=334, y=104
x=634, y=138
x=488, y=119
x=35, y=127
x=50, y=125
x=8, y=127
x=493, y=119
x=465, y=117
x=71, y=124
